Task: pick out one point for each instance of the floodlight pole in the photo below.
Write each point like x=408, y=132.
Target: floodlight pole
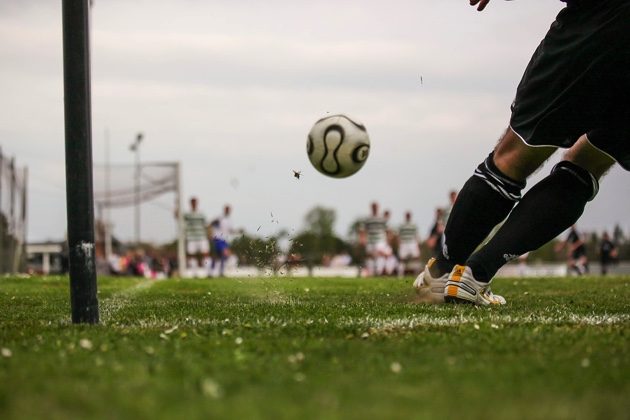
x=78, y=130
x=135, y=147
x=181, y=250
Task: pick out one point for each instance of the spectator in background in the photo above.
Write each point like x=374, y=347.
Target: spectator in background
x=607, y=253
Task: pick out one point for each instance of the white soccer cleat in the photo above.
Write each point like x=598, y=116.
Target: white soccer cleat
x=429, y=288
x=462, y=287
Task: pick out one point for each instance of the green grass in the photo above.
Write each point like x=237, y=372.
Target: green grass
x=315, y=348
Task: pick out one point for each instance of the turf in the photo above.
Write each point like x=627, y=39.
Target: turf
x=315, y=348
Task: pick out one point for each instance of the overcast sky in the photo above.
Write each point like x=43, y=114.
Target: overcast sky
x=231, y=88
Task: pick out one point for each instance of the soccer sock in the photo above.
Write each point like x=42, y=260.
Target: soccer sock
x=484, y=201
x=549, y=208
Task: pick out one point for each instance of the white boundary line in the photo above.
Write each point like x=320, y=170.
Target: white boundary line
x=393, y=324
x=113, y=304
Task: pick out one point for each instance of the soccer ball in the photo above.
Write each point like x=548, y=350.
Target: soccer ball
x=338, y=146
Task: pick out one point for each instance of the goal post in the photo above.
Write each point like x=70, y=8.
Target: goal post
x=13, y=217
x=181, y=243
x=129, y=185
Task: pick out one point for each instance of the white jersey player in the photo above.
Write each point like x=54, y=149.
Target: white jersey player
x=197, y=246
x=409, y=244
x=374, y=232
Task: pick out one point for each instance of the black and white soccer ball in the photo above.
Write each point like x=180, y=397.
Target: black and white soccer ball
x=338, y=146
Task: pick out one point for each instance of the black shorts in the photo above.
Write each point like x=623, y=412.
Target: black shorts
x=578, y=253
x=578, y=81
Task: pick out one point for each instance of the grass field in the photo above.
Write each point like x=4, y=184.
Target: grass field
x=315, y=348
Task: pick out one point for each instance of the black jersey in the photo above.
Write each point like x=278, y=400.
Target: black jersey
x=606, y=250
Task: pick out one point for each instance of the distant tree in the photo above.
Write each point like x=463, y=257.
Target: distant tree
x=624, y=251
x=353, y=230
x=320, y=221
x=318, y=239
x=618, y=236
x=591, y=241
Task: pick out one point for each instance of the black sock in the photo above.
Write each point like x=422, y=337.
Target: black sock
x=484, y=201
x=549, y=208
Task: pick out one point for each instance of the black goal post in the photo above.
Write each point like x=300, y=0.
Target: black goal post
x=78, y=137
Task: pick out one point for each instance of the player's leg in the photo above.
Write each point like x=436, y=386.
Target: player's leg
x=192, y=251
x=214, y=256
x=484, y=201
x=370, y=260
x=223, y=254
x=587, y=267
x=549, y=208
x=403, y=266
x=379, y=259
x=391, y=262
x=206, y=264
x=406, y=254
x=487, y=198
x=409, y=257
x=379, y=269
x=575, y=266
x=204, y=257
x=402, y=259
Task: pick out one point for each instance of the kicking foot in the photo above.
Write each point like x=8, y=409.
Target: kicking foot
x=462, y=287
x=429, y=288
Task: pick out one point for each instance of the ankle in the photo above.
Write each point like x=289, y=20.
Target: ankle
x=442, y=266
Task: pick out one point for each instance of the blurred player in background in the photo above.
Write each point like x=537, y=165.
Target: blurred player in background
x=221, y=233
x=573, y=95
x=408, y=245
x=197, y=247
x=373, y=233
x=577, y=259
x=434, y=241
x=607, y=253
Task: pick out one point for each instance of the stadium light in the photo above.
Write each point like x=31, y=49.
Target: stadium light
x=135, y=147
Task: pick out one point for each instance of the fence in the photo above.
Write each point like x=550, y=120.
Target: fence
x=13, y=188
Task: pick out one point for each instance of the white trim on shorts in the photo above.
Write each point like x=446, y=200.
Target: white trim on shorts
x=559, y=147
x=533, y=145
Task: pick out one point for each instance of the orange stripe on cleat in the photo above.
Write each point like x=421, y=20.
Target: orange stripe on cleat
x=457, y=273
x=451, y=290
